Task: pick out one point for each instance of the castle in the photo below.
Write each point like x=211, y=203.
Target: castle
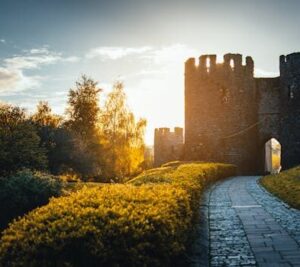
x=230, y=114
x=168, y=145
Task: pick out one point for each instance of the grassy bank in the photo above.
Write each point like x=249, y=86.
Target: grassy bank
x=145, y=222
x=285, y=185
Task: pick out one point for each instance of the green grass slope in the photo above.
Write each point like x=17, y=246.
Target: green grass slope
x=285, y=185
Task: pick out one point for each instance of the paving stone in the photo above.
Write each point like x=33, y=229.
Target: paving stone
x=250, y=227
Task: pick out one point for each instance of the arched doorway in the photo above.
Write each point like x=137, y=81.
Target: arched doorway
x=272, y=156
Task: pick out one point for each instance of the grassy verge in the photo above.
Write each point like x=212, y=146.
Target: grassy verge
x=285, y=185
x=146, y=222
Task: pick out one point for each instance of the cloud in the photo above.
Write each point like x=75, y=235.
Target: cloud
x=158, y=55
x=8, y=78
x=3, y=41
x=176, y=53
x=12, y=76
x=14, y=80
x=107, y=52
x=42, y=50
x=71, y=59
x=31, y=62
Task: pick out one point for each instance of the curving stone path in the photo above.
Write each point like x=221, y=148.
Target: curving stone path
x=250, y=227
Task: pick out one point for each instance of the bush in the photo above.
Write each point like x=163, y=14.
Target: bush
x=25, y=191
x=193, y=177
x=146, y=222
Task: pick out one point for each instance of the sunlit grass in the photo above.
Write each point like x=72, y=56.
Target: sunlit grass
x=285, y=185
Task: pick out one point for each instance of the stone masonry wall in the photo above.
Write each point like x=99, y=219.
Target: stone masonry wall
x=290, y=109
x=220, y=103
x=168, y=146
x=268, y=98
x=230, y=115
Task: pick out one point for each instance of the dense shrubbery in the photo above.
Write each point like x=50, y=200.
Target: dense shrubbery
x=25, y=191
x=143, y=223
x=285, y=185
x=19, y=142
x=192, y=177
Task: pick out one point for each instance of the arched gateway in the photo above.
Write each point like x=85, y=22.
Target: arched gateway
x=272, y=156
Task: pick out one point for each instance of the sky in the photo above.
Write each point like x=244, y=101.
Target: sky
x=46, y=45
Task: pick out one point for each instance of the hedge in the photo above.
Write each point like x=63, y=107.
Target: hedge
x=145, y=222
x=24, y=191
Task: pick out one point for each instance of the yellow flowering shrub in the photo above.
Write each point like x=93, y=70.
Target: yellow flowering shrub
x=145, y=222
x=193, y=177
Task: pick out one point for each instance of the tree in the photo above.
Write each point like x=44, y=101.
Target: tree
x=54, y=138
x=123, y=136
x=19, y=142
x=44, y=117
x=83, y=110
x=83, y=122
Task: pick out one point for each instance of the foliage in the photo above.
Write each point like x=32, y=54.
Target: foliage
x=285, y=185
x=25, y=191
x=93, y=144
x=143, y=223
x=83, y=119
x=148, y=158
x=44, y=117
x=53, y=137
x=83, y=109
x=123, y=136
x=193, y=177
x=19, y=142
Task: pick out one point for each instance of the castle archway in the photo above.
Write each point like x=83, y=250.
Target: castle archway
x=272, y=156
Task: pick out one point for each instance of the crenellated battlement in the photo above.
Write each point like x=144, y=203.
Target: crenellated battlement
x=290, y=64
x=167, y=131
x=208, y=64
x=230, y=114
x=168, y=145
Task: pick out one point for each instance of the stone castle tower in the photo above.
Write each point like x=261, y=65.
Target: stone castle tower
x=168, y=146
x=230, y=115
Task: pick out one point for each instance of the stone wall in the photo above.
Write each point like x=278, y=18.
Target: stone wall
x=220, y=103
x=168, y=146
x=230, y=115
x=290, y=109
x=268, y=98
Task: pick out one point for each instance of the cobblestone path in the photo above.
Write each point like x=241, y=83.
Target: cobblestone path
x=250, y=227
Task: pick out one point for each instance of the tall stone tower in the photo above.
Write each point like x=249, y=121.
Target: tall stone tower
x=230, y=115
x=290, y=109
x=221, y=121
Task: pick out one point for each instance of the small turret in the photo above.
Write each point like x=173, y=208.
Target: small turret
x=168, y=145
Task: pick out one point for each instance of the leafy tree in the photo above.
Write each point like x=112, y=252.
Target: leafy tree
x=123, y=136
x=83, y=110
x=83, y=119
x=44, y=117
x=19, y=142
x=53, y=137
